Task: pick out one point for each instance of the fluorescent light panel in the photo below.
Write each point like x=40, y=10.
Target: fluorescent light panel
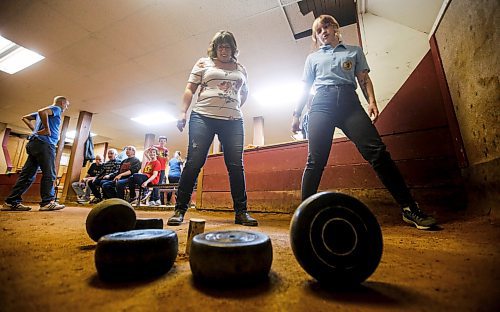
x=14, y=58
x=280, y=95
x=70, y=136
x=154, y=118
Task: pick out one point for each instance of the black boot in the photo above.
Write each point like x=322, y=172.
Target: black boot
x=244, y=218
x=176, y=219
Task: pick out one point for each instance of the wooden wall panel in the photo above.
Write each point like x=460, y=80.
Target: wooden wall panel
x=8, y=180
x=417, y=105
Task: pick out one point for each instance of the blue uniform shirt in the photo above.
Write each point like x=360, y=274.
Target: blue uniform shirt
x=334, y=66
x=54, y=124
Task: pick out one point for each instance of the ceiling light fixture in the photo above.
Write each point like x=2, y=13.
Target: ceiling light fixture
x=70, y=136
x=14, y=58
x=280, y=95
x=154, y=118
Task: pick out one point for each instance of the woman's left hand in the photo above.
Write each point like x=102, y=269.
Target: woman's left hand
x=144, y=185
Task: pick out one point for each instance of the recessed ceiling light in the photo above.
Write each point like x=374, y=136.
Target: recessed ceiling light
x=154, y=118
x=70, y=136
x=14, y=58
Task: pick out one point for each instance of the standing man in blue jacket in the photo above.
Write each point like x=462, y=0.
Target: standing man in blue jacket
x=41, y=150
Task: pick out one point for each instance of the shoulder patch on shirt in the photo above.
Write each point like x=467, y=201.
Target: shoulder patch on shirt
x=347, y=65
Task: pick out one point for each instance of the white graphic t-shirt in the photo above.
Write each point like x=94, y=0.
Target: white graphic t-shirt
x=219, y=89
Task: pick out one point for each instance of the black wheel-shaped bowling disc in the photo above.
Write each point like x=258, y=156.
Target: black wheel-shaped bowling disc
x=230, y=256
x=110, y=216
x=149, y=223
x=135, y=254
x=336, y=239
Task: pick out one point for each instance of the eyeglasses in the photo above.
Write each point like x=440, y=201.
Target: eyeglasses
x=224, y=47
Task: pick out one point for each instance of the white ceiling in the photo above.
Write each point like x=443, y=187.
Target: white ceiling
x=121, y=58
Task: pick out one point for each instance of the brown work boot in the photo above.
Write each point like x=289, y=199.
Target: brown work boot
x=176, y=219
x=244, y=218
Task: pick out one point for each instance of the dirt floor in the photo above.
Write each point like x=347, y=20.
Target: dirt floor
x=47, y=264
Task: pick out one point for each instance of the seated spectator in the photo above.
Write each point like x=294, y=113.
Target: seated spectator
x=108, y=168
x=174, y=172
x=81, y=188
x=162, y=158
x=149, y=176
x=115, y=187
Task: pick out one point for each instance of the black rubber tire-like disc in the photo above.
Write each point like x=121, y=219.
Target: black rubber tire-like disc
x=136, y=254
x=153, y=223
x=110, y=216
x=336, y=239
x=231, y=257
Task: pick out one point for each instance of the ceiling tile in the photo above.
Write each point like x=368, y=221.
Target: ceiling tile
x=93, y=15
x=40, y=28
x=89, y=56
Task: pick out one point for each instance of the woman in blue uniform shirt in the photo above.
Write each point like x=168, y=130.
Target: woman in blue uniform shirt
x=332, y=71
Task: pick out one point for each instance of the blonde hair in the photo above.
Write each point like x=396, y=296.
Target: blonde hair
x=323, y=20
x=59, y=99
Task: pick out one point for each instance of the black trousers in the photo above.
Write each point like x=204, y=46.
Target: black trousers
x=339, y=106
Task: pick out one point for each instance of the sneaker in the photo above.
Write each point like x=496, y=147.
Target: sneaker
x=154, y=203
x=176, y=219
x=145, y=195
x=15, y=207
x=52, y=206
x=244, y=218
x=413, y=215
x=83, y=200
x=96, y=200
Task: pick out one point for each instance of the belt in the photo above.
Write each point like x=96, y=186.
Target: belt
x=339, y=86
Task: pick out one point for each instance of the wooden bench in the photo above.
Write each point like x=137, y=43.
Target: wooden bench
x=170, y=187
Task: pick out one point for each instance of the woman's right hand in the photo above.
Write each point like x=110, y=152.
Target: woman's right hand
x=181, y=122
x=295, y=125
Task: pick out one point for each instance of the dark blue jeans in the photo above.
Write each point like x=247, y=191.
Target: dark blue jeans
x=96, y=186
x=40, y=155
x=202, y=131
x=136, y=180
x=339, y=106
x=155, y=195
x=114, y=189
x=172, y=179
